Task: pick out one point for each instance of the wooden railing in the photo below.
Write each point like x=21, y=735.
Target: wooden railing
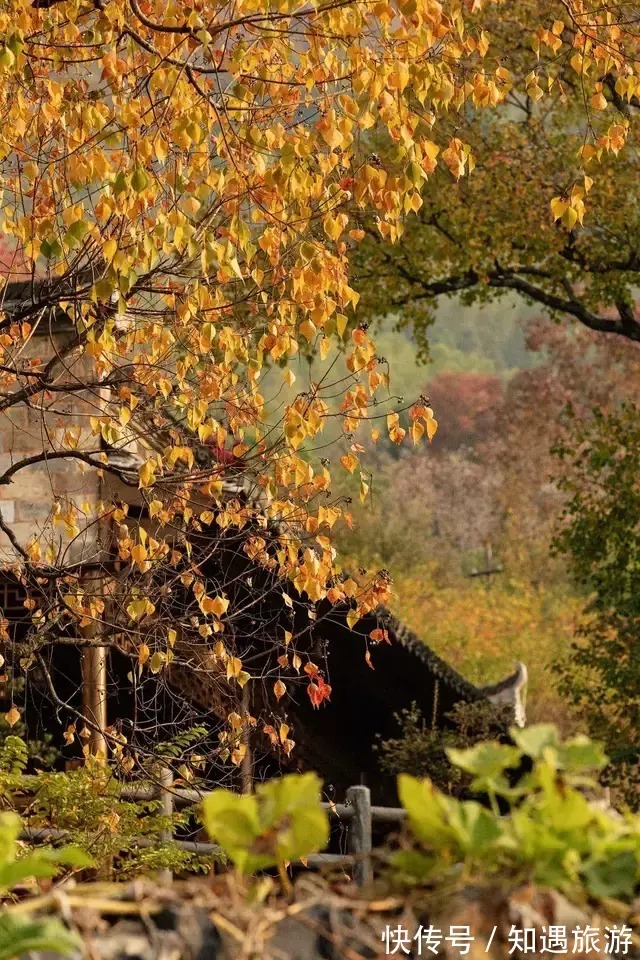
x=357, y=813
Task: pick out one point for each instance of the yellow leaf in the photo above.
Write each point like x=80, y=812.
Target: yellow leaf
x=352, y=618
x=12, y=716
x=147, y=474
x=417, y=431
x=157, y=662
x=234, y=667
x=139, y=554
x=143, y=653
x=279, y=689
x=140, y=608
x=558, y=207
x=109, y=250
x=349, y=462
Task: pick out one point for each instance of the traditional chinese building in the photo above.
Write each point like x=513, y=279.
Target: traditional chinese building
x=374, y=670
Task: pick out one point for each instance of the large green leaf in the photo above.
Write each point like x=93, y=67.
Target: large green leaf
x=616, y=876
x=233, y=822
x=291, y=807
x=427, y=811
x=10, y=827
x=283, y=822
x=20, y=935
x=582, y=754
x=536, y=739
x=476, y=828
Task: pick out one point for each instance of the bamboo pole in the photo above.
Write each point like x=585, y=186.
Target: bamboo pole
x=94, y=694
x=246, y=764
x=94, y=658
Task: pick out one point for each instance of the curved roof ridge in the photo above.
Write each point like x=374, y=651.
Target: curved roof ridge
x=519, y=674
x=439, y=667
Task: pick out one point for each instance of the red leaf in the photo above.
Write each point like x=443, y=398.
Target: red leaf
x=318, y=692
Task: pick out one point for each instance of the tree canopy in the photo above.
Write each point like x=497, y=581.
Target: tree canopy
x=549, y=212
x=184, y=186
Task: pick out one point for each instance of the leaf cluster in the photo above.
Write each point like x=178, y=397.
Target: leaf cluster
x=20, y=934
x=553, y=834
x=599, y=535
x=281, y=823
x=421, y=749
x=87, y=805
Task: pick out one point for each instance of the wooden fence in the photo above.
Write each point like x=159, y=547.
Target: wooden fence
x=357, y=813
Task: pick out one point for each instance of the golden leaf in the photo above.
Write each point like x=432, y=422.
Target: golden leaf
x=12, y=716
x=143, y=653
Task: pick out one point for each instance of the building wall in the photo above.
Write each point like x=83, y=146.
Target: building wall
x=37, y=427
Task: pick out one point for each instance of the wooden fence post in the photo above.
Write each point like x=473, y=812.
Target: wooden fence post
x=166, y=798
x=360, y=841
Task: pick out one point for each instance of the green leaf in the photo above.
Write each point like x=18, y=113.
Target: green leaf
x=18, y=871
x=50, y=249
x=103, y=289
x=284, y=821
x=20, y=935
x=614, y=877
x=139, y=180
x=416, y=865
x=582, y=754
x=476, y=828
x=426, y=808
x=291, y=806
x=10, y=826
x=76, y=233
x=233, y=822
x=120, y=183
x=15, y=44
x=485, y=759
x=536, y=739
x=566, y=809
x=7, y=58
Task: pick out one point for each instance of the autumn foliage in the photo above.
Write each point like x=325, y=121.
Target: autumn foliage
x=183, y=187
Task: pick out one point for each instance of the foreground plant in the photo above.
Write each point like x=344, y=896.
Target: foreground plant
x=553, y=834
x=19, y=932
x=183, y=186
x=283, y=822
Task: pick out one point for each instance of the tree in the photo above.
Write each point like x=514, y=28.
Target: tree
x=549, y=210
x=600, y=538
x=183, y=188
x=466, y=404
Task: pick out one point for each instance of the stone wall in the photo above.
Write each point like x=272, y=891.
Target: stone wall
x=36, y=427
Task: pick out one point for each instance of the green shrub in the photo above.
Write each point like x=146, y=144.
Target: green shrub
x=86, y=803
x=279, y=824
x=20, y=933
x=553, y=836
